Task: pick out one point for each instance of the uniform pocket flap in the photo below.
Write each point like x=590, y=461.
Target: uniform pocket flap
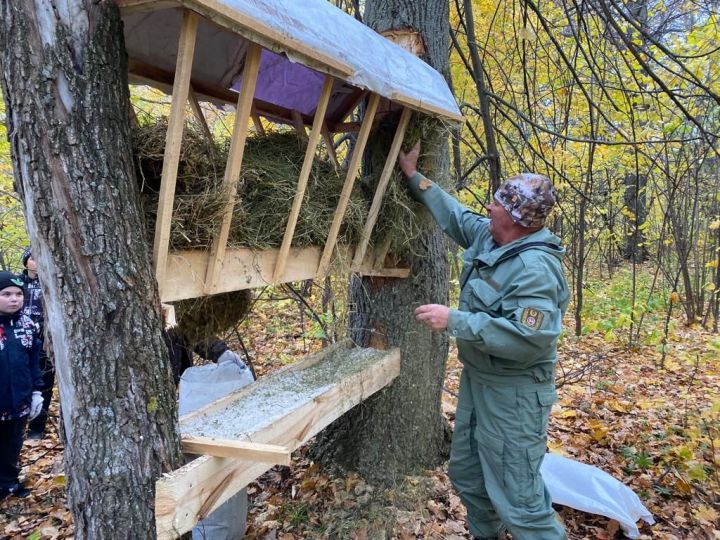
x=547, y=399
x=484, y=291
x=493, y=443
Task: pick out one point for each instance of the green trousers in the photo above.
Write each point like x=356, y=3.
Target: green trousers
x=497, y=448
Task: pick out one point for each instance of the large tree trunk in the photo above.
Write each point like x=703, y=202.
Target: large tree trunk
x=64, y=79
x=402, y=429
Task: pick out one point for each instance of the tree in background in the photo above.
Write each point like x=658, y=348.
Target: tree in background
x=64, y=81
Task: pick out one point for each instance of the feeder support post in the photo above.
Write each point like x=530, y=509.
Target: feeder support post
x=313, y=140
x=234, y=162
x=173, y=141
x=353, y=168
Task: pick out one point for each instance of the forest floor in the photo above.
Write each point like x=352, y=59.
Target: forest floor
x=654, y=427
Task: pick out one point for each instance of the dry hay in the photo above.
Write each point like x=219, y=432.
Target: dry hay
x=201, y=319
x=402, y=219
x=268, y=181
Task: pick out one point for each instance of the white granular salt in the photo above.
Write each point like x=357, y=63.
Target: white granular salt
x=277, y=395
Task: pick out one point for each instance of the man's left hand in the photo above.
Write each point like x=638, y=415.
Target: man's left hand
x=434, y=316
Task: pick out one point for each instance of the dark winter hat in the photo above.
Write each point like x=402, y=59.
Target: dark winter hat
x=528, y=198
x=26, y=255
x=8, y=279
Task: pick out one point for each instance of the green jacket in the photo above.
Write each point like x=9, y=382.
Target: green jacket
x=510, y=312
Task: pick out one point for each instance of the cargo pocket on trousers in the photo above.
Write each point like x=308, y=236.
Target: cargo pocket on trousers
x=522, y=472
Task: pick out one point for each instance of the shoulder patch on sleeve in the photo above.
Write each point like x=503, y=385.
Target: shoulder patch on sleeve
x=425, y=184
x=532, y=318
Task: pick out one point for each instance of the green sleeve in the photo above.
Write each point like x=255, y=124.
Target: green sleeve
x=457, y=221
x=527, y=330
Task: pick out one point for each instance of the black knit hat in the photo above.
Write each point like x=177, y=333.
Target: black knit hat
x=26, y=255
x=8, y=279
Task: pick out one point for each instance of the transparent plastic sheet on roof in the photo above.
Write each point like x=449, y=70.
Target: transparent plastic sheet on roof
x=377, y=64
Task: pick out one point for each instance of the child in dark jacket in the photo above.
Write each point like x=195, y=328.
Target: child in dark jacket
x=20, y=380
x=34, y=308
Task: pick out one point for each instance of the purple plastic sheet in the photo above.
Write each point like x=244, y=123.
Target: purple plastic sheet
x=286, y=84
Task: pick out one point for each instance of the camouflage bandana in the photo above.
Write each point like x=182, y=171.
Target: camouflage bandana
x=528, y=198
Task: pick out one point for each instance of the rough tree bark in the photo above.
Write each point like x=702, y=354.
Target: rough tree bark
x=64, y=80
x=401, y=429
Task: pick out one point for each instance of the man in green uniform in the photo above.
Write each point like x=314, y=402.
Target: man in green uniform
x=512, y=300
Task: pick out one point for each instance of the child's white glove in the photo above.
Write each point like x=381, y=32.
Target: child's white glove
x=36, y=404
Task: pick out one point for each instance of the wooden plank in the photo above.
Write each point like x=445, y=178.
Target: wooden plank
x=197, y=111
x=234, y=162
x=312, y=143
x=330, y=146
x=245, y=268
x=256, y=31
x=252, y=451
x=390, y=164
x=256, y=121
x=191, y=492
x=298, y=123
x=173, y=141
x=352, y=172
x=240, y=393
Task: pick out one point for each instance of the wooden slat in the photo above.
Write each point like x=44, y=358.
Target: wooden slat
x=191, y=492
x=245, y=268
x=330, y=146
x=197, y=111
x=390, y=164
x=173, y=141
x=256, y=121
x=298, y=123
x=352, y=172
x=232, y=169
x=304, y=176
x=252, y=451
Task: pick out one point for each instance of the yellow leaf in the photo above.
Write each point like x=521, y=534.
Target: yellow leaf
x=706, y=514
x=714, y=225
x=712, y=264
x=674, y=298
x=568, y=414
x=683, y=487
x=599, y=430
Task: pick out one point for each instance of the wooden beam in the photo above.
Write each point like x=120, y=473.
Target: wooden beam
x=390, y=164
x=173, y=141
x=330, y=146
x=232, y=169
x=197, y=111
x=244, y=268
x=298, y=123
x=252, y=451
x=256, y=121
x=312, y=143
x=352, y=172
x=193, y=491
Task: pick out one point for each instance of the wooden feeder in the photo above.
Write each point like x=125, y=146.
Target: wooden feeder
x=304, y=64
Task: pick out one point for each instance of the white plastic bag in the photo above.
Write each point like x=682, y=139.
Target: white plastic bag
x=200, y=385
x=592, y=490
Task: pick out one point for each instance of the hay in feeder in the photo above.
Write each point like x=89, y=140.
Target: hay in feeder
x=268, y=181
x=402, y=219
x=201, y=319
